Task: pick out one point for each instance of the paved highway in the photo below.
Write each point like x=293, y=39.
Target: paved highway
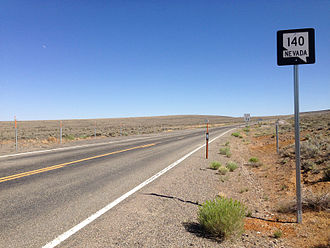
x=42, y=195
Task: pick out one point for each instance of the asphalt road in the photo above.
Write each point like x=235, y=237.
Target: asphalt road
x=45, y=194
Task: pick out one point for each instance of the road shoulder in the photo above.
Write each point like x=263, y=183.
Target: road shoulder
x=164, y=213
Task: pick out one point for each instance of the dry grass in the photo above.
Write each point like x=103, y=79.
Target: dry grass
x=319, y=202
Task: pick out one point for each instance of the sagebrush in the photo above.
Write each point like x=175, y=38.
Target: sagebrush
x=222, y=217
x=215, y=165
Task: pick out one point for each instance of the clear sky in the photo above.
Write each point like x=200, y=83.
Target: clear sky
x=102, y=59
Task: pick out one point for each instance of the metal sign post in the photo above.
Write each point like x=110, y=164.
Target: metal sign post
x=296, y=46
x=297, y=144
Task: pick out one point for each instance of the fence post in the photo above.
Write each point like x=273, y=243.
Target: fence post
x=60, y=132
x=277, y=142
x=16, y=139
x=95, y=130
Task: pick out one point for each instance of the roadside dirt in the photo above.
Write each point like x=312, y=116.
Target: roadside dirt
x=276, y=175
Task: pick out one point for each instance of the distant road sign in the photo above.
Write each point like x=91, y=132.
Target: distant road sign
x=247, y=117
x=296, y=46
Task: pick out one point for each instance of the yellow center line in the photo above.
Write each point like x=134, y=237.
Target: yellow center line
x=54, y=167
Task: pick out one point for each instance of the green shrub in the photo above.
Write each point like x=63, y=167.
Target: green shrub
x=246, y=129
x=222, y=217
x=253, y=160
x=236, y=135
x=278, y=234
x=215, y=165
x=227, y=143
x=231, y=166
x=224, y=150
x=223, y=170
x=68, y=136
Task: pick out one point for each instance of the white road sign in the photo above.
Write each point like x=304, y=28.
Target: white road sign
x=296, y=45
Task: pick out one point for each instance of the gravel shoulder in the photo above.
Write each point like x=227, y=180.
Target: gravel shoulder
x=164, y=213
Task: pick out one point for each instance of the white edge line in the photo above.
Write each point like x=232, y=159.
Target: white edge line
x=71, y=147
x=102, y=211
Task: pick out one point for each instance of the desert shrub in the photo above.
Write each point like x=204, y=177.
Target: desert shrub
x=223, y=170
x=68, y=136
x=236, y=134
x=326, y=176
x=228, y=154
x=278, y=234
x=227, y=143
x=309, y=149
x=222, y=217
x=307, y=165
x=309, y=202
x=225, y=151
x=246, y=129
x=215, y=165
x=253, y=160
x=231, y=166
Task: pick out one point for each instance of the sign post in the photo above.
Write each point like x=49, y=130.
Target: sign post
x=294, y=47
x=277, y=142
x=207, y=139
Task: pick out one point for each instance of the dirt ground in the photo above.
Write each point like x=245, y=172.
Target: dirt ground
x=273, y=204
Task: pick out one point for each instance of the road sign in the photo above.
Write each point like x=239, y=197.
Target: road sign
x=296, y=46
x=247, y=117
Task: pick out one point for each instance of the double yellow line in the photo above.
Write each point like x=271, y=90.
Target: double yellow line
x=54, y=167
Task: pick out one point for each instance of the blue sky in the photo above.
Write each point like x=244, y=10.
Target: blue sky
x=103, y=59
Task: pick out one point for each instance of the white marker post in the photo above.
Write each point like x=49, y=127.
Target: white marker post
x=207, y=139
x=296, y=46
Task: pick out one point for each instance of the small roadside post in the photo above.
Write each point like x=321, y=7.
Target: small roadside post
x=60, y=132
x=16, y=138
x=95, y=130
x=294, y=47
x=207, y=138
x=277, y=144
